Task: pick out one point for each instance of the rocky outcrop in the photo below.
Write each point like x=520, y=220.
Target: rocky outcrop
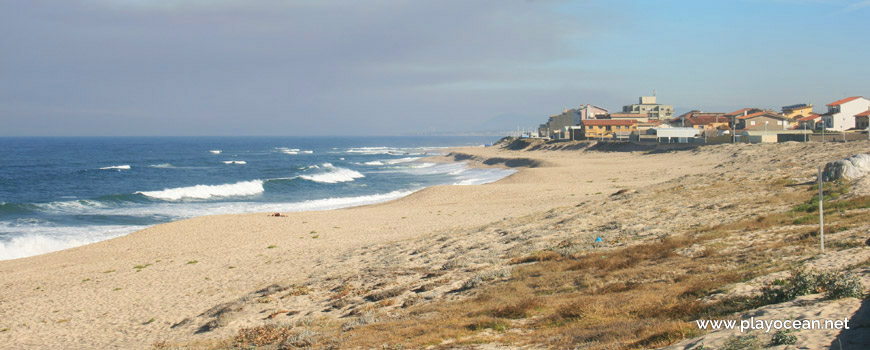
x=851, y=168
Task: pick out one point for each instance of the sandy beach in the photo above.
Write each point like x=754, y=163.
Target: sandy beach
x=166, y=284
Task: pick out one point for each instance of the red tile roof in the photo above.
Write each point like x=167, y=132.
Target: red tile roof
x=706, y=119
x=809, y=117
x=740, y=111
x=769, y=113
x=605, y=122
x=751, y=115
x=848, y=99
x=863, y=114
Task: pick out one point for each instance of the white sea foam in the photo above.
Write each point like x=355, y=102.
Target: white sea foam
x=239, y=162
x=373, y=150
x=292, y=151
x=244, y=188
x=34, y=240
x=333, y=175
x=376, y=162
x=401, y=160
x=461, y=173
x=481, y=176
x=215, y=151
x=163, y=165
x=77, y=206
x=116, y=167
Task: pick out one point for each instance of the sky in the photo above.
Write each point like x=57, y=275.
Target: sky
x=390, y=67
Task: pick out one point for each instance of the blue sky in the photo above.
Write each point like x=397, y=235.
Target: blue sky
x=270, y=67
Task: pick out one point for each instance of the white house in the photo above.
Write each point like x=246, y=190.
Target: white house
x=675, y=135
x=841, y=114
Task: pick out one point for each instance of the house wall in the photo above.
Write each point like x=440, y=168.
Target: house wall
x=862, y=122
x=809, y=125
x=591, y=112
x=794, y=113
x=757, y=123
x=557, y=123
x=845, y=119
x=654, y=111
x=606, y=131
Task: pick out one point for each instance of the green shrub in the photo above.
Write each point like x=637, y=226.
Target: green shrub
x=836, y=285
x=783, y=337
x=843, y=285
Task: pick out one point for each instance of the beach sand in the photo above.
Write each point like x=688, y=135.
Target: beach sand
x=162, y=283
x=94, y=296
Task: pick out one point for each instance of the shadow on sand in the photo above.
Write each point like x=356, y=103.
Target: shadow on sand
x=858, y=335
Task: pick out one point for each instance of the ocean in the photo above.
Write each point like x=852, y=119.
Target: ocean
x=57, y=193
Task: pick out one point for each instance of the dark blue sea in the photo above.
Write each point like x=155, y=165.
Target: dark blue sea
x=57, y=193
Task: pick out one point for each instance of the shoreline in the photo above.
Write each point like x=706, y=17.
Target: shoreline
x=159, y=284
x=93, y=281
x=321, y=204
x=191, y=265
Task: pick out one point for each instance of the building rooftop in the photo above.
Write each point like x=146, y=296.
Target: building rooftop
x=706, y=119
x=605, y=122
x=847, y=99
x=758, y=114
x=863, y=114
x=739, y=111
x=797, y=106
x=809, y=117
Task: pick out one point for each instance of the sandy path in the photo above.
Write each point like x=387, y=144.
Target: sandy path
x=95, y=296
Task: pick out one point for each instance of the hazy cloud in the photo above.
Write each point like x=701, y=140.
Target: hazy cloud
x=318, y=66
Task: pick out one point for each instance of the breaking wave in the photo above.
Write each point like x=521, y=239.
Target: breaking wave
x=333, y=175
x=116, y=167
x=244, y=188
x=35, y=240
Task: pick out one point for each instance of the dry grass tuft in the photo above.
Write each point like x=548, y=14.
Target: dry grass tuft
x=546, y=255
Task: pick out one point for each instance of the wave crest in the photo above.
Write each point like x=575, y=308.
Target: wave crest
x=244, y=188
x=333, y=175
x=116, y=167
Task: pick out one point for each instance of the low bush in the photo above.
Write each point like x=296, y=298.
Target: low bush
x=783, y=337
x=835, y=285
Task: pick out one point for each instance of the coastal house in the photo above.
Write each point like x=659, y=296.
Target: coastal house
x=765, y=120
x=676, y=135
x=589, y=111
x=772, y=136
x=701, y=120
x=809, y=122
x=648, y=105
x=862, y=120
x=797, y=111
x=556, y=126
x=607, y=128
x=841, y=113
